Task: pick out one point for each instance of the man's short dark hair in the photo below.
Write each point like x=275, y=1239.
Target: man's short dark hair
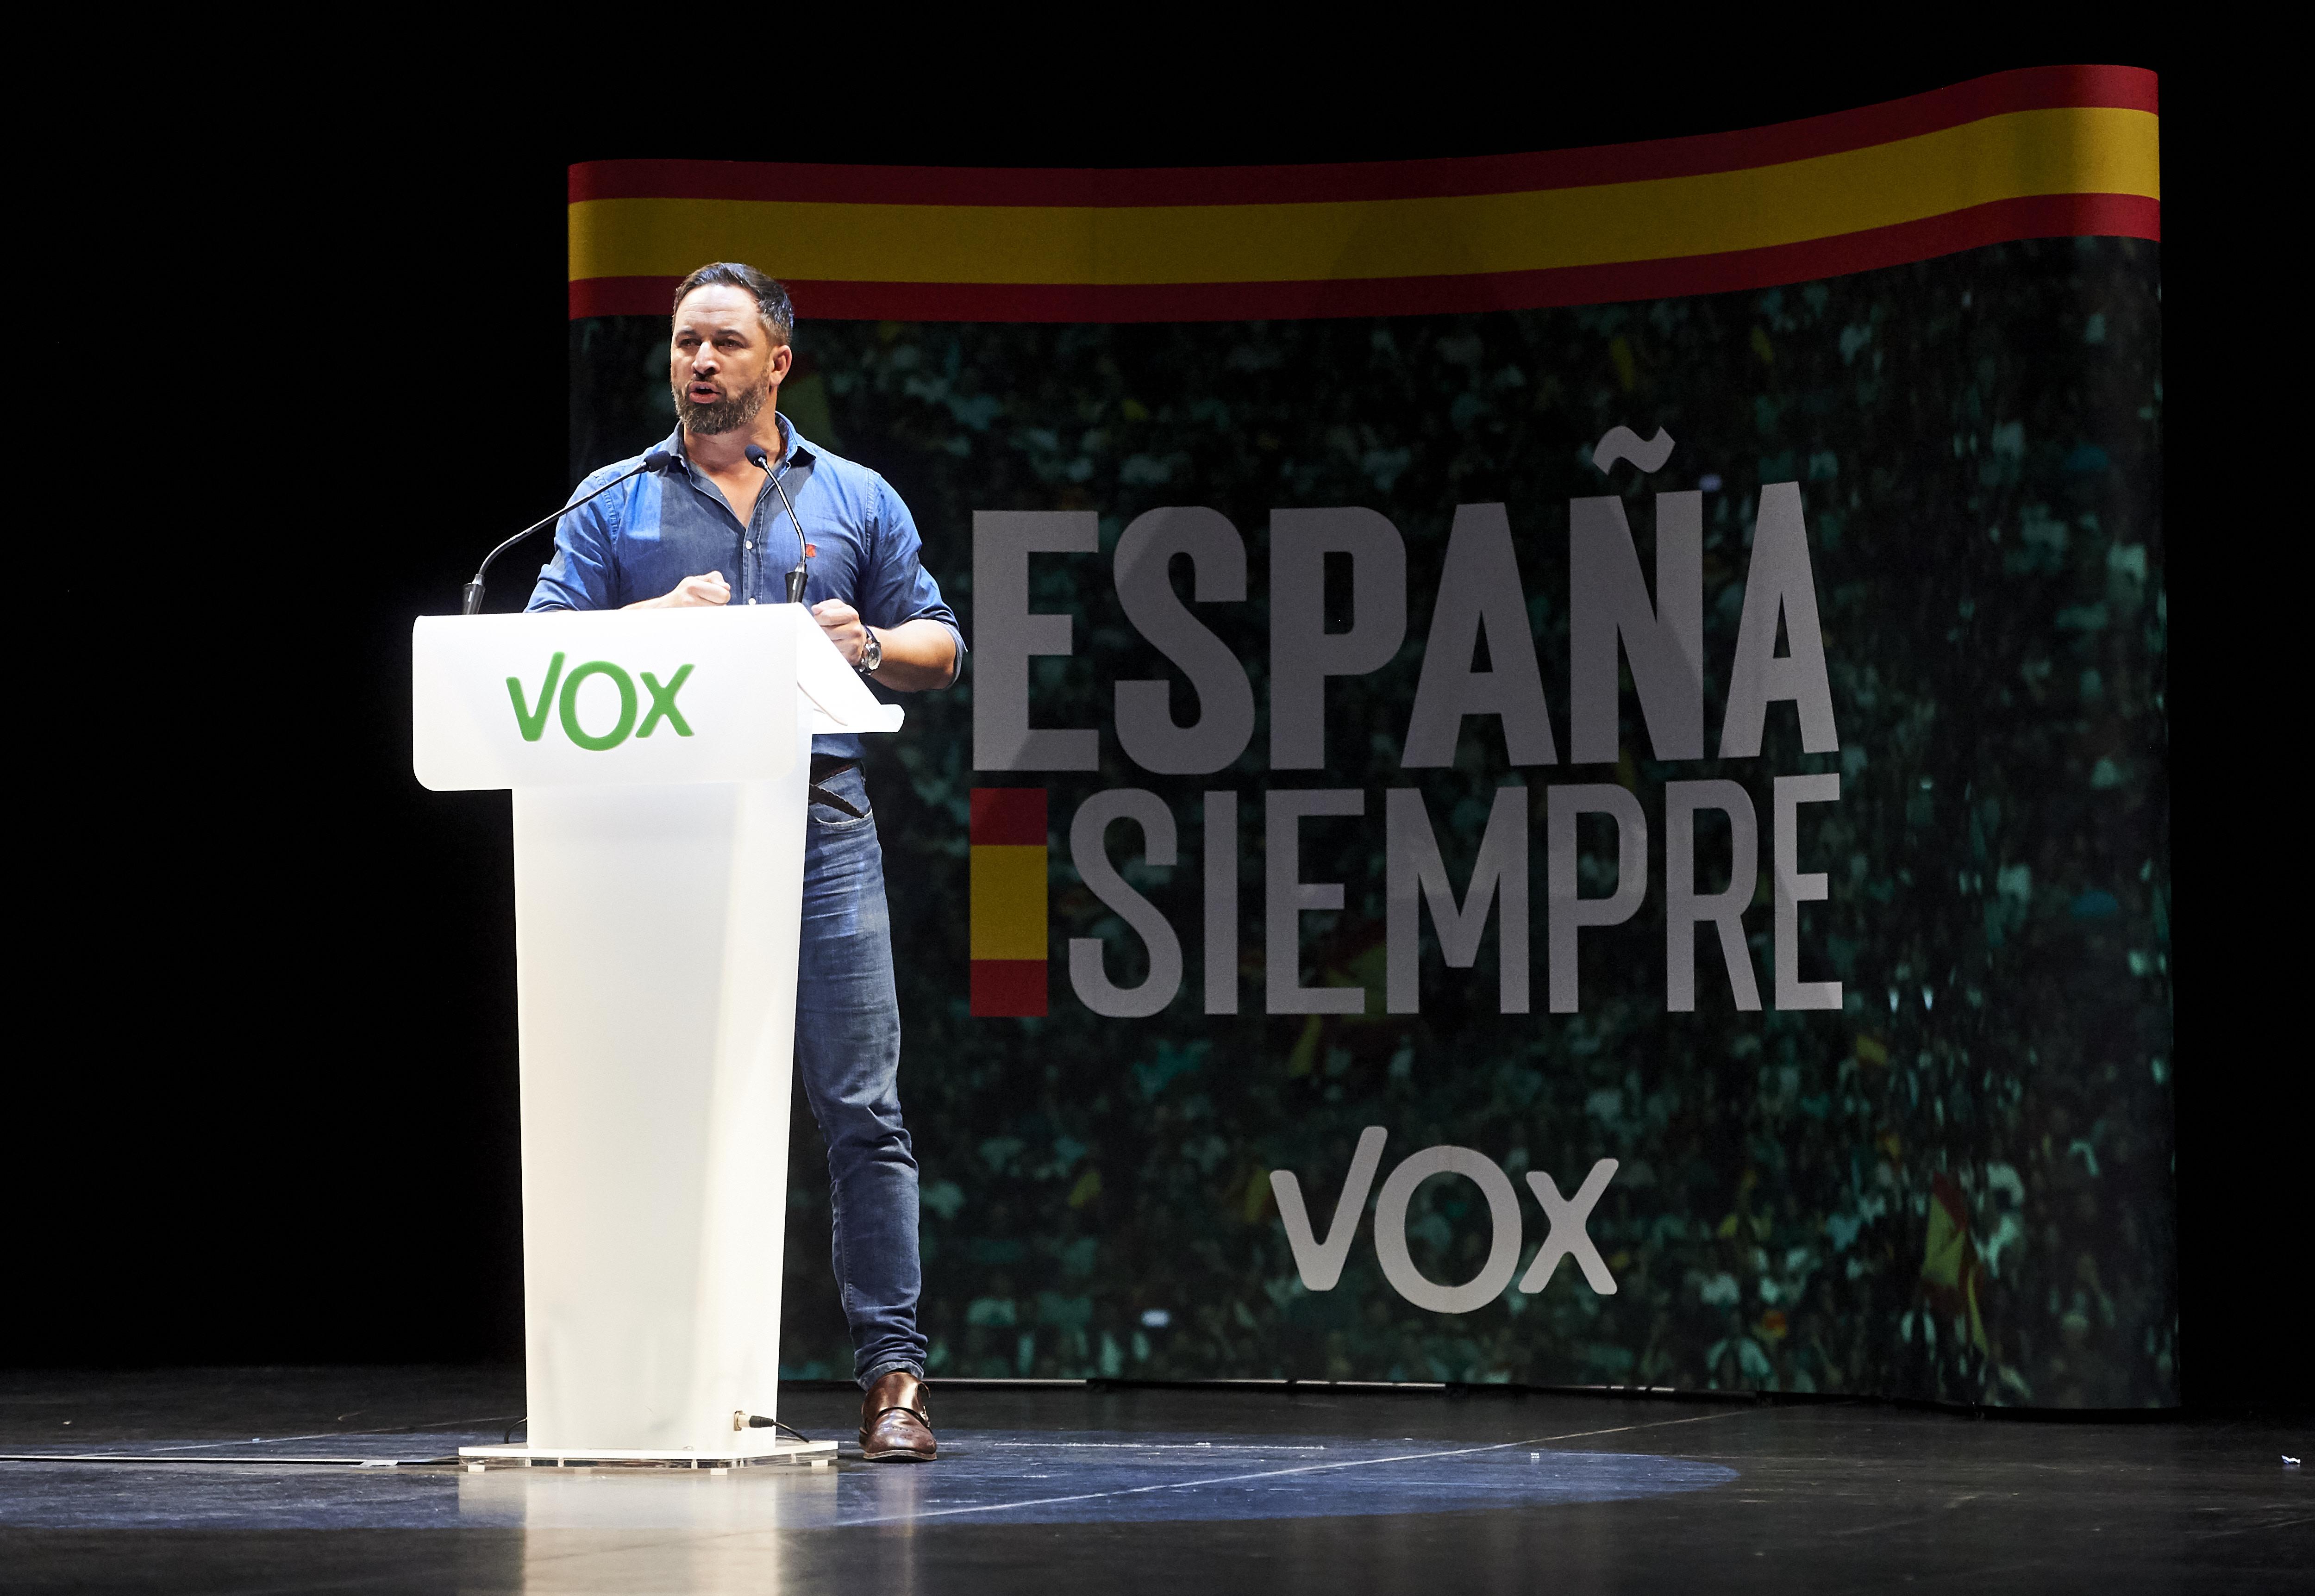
x=771, y=295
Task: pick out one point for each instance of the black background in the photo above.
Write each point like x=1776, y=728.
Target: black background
x=298, y=357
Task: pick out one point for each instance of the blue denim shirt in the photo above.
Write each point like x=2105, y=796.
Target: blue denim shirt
x=640, y=539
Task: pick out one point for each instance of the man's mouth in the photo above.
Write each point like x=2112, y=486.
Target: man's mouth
x=704, y=392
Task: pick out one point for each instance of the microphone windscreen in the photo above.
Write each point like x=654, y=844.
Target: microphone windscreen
x=757, y=456
x=660, y=460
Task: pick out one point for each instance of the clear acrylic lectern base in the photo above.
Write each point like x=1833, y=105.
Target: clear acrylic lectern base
x=815, y=1454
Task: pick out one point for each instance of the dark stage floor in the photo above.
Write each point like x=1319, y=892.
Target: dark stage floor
x=1196, y=1491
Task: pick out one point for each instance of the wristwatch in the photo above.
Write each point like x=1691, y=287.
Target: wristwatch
x=871, y=653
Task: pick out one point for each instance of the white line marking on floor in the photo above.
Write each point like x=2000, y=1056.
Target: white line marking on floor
x=1229, y=1479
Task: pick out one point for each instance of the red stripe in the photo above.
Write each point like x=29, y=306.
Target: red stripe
x=2037, y=88
x=2053, y=215
x=1009, y=987
x=1008, y=817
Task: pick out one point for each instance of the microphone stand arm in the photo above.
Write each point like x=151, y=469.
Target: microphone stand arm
x=473, y=600
x=802, y=574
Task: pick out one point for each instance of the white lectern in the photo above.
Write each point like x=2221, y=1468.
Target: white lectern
x=659, y=761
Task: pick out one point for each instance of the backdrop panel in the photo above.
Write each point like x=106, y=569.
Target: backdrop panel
x=1563, y=777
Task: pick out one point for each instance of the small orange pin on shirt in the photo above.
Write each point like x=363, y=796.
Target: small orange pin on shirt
x=811, y=551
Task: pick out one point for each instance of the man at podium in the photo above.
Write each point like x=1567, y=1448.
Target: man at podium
x=752, y=513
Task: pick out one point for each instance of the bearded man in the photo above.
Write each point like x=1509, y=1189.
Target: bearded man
x=669, y=540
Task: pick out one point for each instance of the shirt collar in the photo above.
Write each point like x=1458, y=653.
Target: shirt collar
x=796, y=449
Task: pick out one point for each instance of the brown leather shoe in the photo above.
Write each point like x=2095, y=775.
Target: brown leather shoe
x=894, y=1426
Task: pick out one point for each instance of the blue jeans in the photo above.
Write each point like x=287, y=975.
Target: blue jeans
x=848, y=1031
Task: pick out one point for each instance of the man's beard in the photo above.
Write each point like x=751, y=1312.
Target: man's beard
x=724, y=415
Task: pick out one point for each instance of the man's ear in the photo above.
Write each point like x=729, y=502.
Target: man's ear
x=783, y=358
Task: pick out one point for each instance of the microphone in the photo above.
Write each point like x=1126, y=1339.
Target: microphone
x=658, y=459
x=802, y=574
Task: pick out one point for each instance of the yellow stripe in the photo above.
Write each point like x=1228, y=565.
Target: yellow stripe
x=2022, y=154
x=1008, y=903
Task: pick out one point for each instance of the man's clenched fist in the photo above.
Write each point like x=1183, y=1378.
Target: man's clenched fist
x=690, y=592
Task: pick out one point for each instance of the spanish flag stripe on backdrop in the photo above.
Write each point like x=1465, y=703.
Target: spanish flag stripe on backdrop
x=2043, y=88
x=1009, y=915
x=2055, y=152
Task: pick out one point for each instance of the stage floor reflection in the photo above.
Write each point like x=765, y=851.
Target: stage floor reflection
x=1251, y=1489
x=1023, y=1476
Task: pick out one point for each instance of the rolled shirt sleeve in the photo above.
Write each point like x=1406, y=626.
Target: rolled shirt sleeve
x=896, y=587
x=583, y=571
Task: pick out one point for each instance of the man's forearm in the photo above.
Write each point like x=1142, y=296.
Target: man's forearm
x=918, y=654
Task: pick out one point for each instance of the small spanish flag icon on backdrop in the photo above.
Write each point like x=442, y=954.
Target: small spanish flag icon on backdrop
x=1008, y=901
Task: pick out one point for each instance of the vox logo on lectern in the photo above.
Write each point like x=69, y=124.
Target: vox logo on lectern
x=532, y=718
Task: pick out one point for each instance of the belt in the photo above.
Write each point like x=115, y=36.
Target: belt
x=824, y=767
